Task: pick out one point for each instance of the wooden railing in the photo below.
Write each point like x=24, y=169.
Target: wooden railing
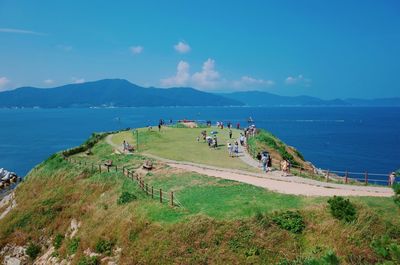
x=151, y=191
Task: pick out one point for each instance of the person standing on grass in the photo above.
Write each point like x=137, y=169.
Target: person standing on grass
x=264, y=162
x=259, y=158
x=215, y=141
x=236, y=148
x=241, y=139
x=269, y=162
x=230, y=149
x=285, y=167
x=230, y=134
x=238, y=126
x=392, y=179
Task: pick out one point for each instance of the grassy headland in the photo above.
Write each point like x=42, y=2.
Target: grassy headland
x=221, y=221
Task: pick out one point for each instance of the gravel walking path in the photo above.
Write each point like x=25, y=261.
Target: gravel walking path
x=274, y=180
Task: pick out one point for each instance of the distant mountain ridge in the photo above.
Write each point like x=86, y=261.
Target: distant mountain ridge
x=260, y=98
x=110, y=92
x=122, y=93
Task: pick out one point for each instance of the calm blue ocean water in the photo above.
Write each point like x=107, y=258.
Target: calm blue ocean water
x=356, y=139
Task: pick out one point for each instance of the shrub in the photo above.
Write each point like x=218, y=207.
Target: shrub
x=58, y=241
x=289, y=220
x=33, y=250
x=387, y=249
x=104, y=246
x=330, y=258
x=396, y=189
x=73, y=245
x=89, y=261
x=126, y=197
x=342, y=209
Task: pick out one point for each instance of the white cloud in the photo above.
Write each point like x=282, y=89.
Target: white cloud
x=78, y=80
x=182, y=47
x=48, y=81
x=20, y=31
x=136, y=49
x=4, y=81
x=247, y=82
x=208, y=77
x=181, y=78
x=298, y=80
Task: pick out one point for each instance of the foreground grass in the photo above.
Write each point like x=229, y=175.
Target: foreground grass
x=180, y=144
x=222, y=222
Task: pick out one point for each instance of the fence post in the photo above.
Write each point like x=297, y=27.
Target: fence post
x=327, y=176
x=152, y=192
x=366, y=177
x=147, y=193
x=116, y=168
x=160, y=195
x=172, y=199
x=100, y=168
x=346, y=178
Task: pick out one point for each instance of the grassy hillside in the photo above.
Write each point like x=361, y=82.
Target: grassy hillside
x=220, y=221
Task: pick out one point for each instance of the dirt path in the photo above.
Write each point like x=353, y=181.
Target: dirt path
x=274, y=181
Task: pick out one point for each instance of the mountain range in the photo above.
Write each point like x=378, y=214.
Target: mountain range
x=122, y=93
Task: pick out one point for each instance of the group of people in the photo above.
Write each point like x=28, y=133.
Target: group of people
x=265, y=161
x=212, y=141
x=233, y=149
x=250, y=131
x=127, y=147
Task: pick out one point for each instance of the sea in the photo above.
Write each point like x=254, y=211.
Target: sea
x=354, y=139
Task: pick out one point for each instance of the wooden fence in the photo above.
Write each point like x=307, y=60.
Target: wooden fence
x=345, y=177
x=153, y=192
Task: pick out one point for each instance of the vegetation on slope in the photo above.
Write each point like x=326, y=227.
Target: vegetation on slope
x=266, y=141
x=221, y=222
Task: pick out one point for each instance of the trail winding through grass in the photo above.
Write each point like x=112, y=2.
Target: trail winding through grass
x=274, y=180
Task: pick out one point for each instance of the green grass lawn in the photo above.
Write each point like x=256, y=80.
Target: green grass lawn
x=221, y=221
x=180, y=144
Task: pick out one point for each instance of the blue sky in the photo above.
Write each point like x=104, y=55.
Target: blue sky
x=321, y=48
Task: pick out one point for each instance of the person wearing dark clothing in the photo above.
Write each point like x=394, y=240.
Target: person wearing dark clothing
x=230, y=134
x=259, y=157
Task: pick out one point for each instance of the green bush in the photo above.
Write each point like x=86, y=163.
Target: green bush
x=33, y=250
x=104, y=246
x=126, y=197
x=58, y=239
x=342, y=209
x=89, y=261
x=387, y=249
x=289, y=220
x=396, y=197
x=330, y=258
x=73, y=245
x=396, y=188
